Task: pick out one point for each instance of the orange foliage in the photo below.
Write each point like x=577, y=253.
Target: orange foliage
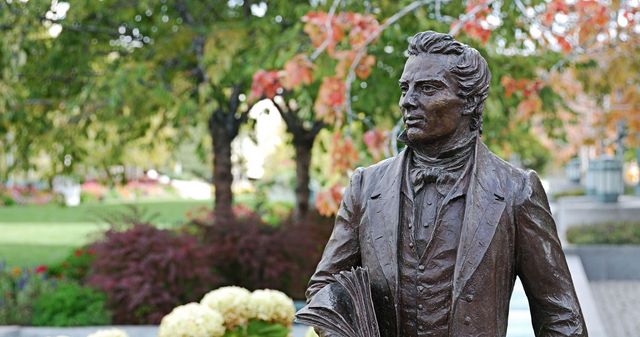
x=329, y=105
x=346, y=58
x=297, y=71
x=375, y=140
x=344, y=154
x=474, y=27
x=265, y=84
x=328, y=201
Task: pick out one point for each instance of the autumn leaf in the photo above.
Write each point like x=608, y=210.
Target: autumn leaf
x=375, y=141
x=329, y=105
x=328, y=201
x=343, y=153
x=265, y=84
x=297, y=71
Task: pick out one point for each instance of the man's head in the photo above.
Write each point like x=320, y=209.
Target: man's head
x=444, y=86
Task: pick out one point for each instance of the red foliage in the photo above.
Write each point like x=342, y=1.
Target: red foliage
x=254, y=255
x=265, y=84
x=329, y=105
x=344, y=154
x=316, y=27
x=375, y=140
x=328, y=201
x=473, y=27
x=346, y=58
x=297, y=71
x=146, y=272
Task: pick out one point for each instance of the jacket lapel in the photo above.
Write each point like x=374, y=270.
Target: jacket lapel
x=483, y=209
x=383, y=212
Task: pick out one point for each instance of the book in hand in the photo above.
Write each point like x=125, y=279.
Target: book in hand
x=343, y=308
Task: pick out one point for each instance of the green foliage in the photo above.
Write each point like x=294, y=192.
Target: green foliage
x=569, y=193
x=615, y=233
x=19, y=287
x=75, y=266
x=70, y=304
x=258, y=328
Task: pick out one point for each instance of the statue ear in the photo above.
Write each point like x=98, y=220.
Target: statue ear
x=470, y=106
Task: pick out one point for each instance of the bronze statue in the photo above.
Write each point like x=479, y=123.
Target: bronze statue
x=444, y=227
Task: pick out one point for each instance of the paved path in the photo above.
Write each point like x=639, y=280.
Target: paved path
x=619, y=306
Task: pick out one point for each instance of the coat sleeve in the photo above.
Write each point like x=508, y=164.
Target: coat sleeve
x=542, y=267
x=342, y=252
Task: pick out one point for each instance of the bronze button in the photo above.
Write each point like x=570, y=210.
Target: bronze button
x=468, y=298
x=467, y=320
x=421, y=267
x=420, y=288
x=420, y=306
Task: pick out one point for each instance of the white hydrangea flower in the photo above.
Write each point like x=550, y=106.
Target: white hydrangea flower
x=231, y=302
x=109, y=333
x=192, y=320
x=272, y=306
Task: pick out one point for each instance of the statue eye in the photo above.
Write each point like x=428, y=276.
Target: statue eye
x=403, y=89
x=428, y=88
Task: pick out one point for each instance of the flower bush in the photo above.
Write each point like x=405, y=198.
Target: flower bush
x=75, y=266
x=232, y=303
x=109, y=333
x=146, y=272
x=272, y=306
x=263, y=313
x=192, y=320
x=254, y=255
x=19, y=287
x=70, y=304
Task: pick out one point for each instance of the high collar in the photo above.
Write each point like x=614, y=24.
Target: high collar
x=448, y=150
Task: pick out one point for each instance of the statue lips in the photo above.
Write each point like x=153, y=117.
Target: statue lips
x=414, y=121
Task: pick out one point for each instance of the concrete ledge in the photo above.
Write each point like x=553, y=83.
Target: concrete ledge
x=608, y=262
x=574, y=211
x=587, y=303
x=132, y=331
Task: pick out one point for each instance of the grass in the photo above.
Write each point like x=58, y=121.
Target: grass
x=34, y=235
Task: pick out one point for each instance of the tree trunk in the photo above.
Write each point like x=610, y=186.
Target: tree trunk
x=222, y=177
x=303, y=165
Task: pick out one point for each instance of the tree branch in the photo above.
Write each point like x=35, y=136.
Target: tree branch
x=329, y=29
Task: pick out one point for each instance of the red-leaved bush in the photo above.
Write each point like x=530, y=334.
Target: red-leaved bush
x=146, y=272
x=251, y=254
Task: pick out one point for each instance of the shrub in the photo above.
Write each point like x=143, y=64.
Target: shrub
x=617, y=233
x=70, y=304
x=75, y=266
x=18, y=289
x=146, y=272
x=254, y=255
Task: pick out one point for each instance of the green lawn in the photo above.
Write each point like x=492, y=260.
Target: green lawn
x=34, y=235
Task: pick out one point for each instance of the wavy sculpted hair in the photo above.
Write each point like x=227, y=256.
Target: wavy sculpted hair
x=470, y=70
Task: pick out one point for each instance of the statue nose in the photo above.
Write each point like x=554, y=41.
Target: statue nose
x=408, y=102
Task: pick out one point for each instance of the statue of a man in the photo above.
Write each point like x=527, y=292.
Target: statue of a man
x=444, y=227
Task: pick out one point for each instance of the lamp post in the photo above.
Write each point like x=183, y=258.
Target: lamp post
x=608, y=179
x=572, y=170
x=590, y=181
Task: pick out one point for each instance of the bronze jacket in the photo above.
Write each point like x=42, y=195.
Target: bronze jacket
x=507, y=231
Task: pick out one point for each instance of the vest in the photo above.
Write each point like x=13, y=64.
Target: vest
x=429, y=234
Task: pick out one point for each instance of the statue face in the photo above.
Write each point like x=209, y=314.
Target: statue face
x=431, y=109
